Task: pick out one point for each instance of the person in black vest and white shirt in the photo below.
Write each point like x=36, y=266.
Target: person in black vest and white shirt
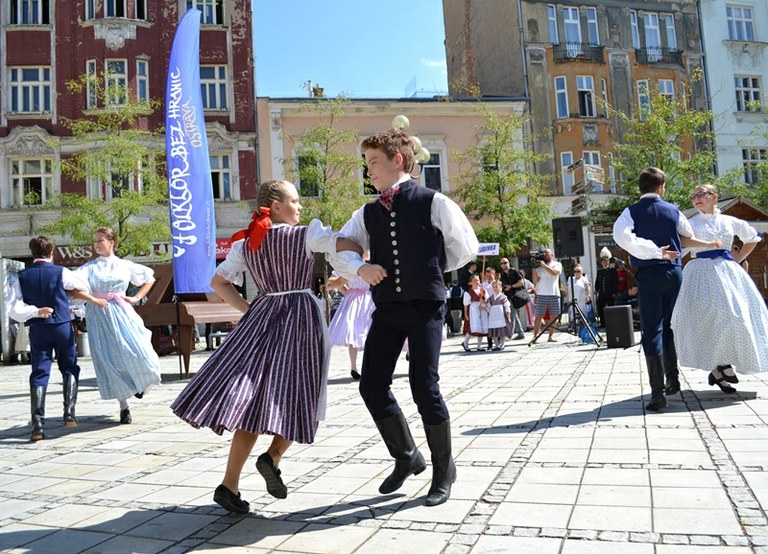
x=414, y=235
x=653, y=232
x=39, y=300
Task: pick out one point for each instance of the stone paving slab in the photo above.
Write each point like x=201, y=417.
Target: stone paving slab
x=554, y=453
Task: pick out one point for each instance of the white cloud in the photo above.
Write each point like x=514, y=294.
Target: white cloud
x=434, y=64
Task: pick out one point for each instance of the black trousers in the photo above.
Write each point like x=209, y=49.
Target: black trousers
x=421, y=322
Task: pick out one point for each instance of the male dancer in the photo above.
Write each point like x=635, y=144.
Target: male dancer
x=651, y=230
x=39, y=300
x=414, y=235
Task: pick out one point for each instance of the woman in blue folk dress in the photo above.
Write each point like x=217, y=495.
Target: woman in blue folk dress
x=121, y=347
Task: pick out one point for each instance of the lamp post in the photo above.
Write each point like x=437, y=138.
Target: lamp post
x=421, y=154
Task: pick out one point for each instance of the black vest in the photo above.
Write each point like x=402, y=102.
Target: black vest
x=407, y=245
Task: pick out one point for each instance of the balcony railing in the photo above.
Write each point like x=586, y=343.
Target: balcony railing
x=656, y=54
x=577, y=51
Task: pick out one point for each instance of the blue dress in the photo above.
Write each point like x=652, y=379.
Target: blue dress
x=121, y=347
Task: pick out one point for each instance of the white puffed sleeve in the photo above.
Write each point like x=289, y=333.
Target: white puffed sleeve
x=140, y=274
x=744, y=231
x=320, y=238
x=233, y=266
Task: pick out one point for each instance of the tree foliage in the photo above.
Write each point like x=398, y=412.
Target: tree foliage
x=325, y=165
x=114, y=151
x=498, y=187
x=665, y=132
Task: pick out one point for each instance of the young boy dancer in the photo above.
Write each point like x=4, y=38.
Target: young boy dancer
x=414, y=235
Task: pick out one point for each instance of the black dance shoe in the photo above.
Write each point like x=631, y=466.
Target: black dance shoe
x=230, y=501
x=728, y=389
x=355, y=374
x=465, y=347
x=271, y=474
x=139, y=395
x=125, y=416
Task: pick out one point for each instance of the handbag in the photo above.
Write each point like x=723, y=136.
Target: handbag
x=520, y=298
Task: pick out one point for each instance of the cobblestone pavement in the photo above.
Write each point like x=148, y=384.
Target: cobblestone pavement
x=555, y=454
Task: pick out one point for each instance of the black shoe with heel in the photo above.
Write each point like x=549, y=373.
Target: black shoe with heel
x=125, y=416
x=355, y=374
x=719, y=382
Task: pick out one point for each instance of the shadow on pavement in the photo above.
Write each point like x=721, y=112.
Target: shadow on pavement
x=629, y=407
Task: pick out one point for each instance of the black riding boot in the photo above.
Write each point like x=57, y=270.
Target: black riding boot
x=70, y=400
x=408, y=460
x=443, y=468
x=37, y=396
x=656, y=377
x=671, y=371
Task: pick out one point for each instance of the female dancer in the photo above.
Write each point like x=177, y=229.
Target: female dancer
x=269, y=376
x=349, y=327
x=720, y=320
x=121, y=347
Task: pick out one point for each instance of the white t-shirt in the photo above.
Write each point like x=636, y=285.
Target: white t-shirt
x=548, y=284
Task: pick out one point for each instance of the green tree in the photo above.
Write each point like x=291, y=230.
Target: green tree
x=498, y=187
x=661, y=133
x=115, y=153
x=325, y=165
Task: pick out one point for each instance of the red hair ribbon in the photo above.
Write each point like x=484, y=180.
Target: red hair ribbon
x=257, y=229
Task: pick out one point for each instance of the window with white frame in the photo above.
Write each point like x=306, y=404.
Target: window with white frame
x=592, y=157
x=643, y=100
x=432, y=173
x=113, y=185
x=221, y=177
x=572, y=28
x=566, y=159
x=669, y=26
x=30, y=12
x=31, y=182
x=652, y=36
x=561, y=97
x=310, y=175
x=213, y=83
x=747, y=93
x=740, y=26
x=141, y=9
x=116, y=76
x=91, y=86
x=667, y=89
x=212, y=11
x=114, y=8
x=585, y=87
x=142, y=80
x=552, y=19
x=634, y=29
x=755, y=160
x=592, y=30
x=90, y=9
x=30, y=89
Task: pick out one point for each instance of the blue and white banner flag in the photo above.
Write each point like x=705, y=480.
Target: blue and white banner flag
x=190, y=191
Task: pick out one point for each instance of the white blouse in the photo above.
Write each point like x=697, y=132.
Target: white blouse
x=319, y=239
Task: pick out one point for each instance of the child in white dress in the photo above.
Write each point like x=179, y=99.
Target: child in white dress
x=499, y=317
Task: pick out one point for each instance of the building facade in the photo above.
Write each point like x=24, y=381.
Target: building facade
x=46, y=44
x=736, y=40
x=571, y=59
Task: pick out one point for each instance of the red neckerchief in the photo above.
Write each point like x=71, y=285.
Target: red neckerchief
x=387, y=198
x=257, y=229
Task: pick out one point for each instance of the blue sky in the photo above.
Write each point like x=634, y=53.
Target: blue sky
x=363, y=48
